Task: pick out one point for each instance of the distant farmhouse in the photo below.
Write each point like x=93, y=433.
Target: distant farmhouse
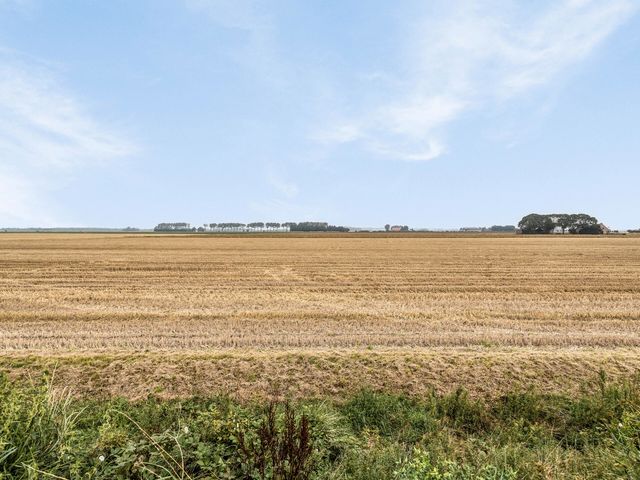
x=173, y=227
x=396, y=228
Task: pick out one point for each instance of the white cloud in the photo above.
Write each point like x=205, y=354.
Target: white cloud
x=561, y=37
x=342, y=133
x=20, y=201
x=421, y=115
x=284, y=187
x=281, y=210
x=48, y=127
x=473, y=55
x=259, y=51
x=45, y=136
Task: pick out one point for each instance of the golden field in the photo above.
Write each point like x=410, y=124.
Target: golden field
x=135, y=314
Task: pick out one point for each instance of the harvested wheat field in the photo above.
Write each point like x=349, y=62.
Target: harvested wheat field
x=311, y=315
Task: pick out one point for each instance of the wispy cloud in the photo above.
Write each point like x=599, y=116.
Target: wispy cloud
x=258, y=52
x=282, y=210
x=470, y=56
x=46, y=135
x=21, y=201
x=285, y=188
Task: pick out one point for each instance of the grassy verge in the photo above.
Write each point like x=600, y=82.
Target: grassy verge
x=46, y=434
x=332, y=375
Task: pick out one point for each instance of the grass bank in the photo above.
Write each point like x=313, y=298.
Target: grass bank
x=44, y=433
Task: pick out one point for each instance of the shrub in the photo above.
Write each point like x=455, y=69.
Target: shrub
x=423, y=466
x=390, y=415
x=279, y=450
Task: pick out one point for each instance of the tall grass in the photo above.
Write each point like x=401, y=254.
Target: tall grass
x=372, y=435
x=37, y=429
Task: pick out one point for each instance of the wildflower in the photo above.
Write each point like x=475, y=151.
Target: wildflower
x=185, y=429
x=101, y=458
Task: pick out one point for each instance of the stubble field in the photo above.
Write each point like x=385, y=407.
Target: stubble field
x=318, y=315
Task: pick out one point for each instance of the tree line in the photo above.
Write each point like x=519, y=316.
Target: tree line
x=292, y=226
x=573, y=223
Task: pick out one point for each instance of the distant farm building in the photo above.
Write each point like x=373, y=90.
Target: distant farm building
x=173, y=227
x=247, y=229
x=559, y=230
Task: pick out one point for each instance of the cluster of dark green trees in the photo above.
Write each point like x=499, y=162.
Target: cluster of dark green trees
x=576, y=223
x=502, y=228
x=314, y=227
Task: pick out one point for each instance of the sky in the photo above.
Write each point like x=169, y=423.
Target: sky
x=429, y=113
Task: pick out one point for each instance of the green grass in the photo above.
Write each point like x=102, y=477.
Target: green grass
x=372, y=435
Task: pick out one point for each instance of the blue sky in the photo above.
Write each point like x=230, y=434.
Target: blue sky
x=427, y=113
